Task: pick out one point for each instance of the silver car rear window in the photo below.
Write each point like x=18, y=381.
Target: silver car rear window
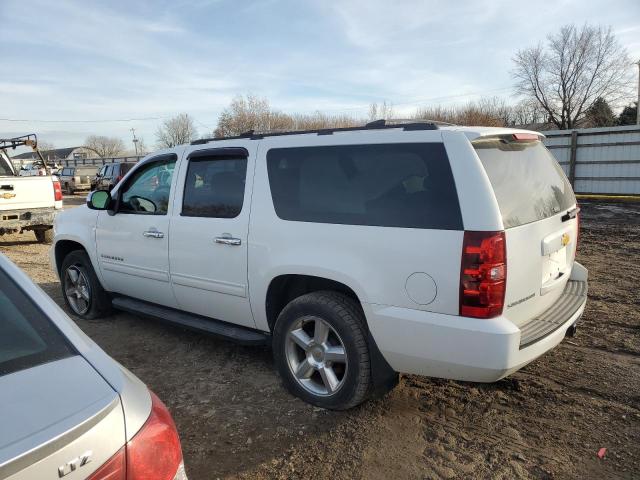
x=27, y=337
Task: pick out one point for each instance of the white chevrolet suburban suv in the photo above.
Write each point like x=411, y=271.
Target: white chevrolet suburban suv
x=355, y=252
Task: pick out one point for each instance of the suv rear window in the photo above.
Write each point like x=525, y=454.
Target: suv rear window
x=527, y=180
x=27, y=336
x=406, y=185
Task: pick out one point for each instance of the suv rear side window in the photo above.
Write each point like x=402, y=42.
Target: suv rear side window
x=27, y=336
x=390, y=185
x=214, y=187
x=527, y=180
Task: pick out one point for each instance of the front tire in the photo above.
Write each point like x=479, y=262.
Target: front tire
x=321, y=351
x=81, y=288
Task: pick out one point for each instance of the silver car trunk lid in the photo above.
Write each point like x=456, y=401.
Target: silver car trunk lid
x=54, y=413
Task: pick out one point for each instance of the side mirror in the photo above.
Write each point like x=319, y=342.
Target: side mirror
x=99, y=200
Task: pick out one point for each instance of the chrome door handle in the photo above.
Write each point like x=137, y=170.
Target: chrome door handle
x=228, y=241
x=153, y=234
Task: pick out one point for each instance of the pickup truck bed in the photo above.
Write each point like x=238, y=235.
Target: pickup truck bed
x=27, y=203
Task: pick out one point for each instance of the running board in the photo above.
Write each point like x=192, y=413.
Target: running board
x=235, y=333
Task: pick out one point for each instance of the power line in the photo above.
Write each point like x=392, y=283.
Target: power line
x=142, y=119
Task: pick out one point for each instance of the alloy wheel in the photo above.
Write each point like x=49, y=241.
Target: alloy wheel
x=77, y=290
x=316, y=356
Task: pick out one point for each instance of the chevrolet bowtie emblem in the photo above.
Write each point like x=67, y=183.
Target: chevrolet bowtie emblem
x=565, y=239
x=7, y=196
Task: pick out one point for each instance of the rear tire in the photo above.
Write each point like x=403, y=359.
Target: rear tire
x=81, y=288
x=321, y=351
x=44, y=235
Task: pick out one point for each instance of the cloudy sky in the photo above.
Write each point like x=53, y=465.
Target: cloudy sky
x=72, y=68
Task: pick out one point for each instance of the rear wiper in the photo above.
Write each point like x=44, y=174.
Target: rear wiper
x=570, y=214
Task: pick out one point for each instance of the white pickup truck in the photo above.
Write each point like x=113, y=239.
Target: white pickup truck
x=27, y=203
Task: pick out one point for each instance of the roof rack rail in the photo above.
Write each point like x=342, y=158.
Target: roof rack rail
x=374, y=125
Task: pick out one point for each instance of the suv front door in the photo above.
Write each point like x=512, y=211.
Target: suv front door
x=208, y=234
x=132, y=243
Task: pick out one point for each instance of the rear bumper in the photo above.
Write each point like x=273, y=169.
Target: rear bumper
x=448, y=346
x=12, y=220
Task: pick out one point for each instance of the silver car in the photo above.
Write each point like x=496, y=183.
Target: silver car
x=68, y=410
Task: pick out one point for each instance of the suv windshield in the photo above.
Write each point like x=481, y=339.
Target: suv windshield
x=27, y=336
x=527, y=180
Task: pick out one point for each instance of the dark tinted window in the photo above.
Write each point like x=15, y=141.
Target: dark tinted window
x=528, y=182
x=27, y=336
x=390, y=185
x=147, y=191
x=125, y=167
x=214, y=187
x=5, y=167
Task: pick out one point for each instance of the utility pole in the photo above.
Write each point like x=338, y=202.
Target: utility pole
x=135, y=140
x=638, y=104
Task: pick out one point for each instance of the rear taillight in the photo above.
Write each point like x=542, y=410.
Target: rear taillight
x=119, y=177
x=483, y=274
x=57, y=191
x=154, y=452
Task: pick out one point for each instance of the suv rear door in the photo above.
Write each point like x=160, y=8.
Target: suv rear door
x=539, y=214
x=209, y=231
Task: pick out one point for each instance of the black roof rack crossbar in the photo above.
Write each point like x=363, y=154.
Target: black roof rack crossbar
x=24, y=140
x=375, y=125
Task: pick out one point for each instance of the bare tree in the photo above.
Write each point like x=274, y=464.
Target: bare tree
x=176, y=131
x=244, y=114
x=255, y=113
x=577, y=66
x=104, y=146
x=45, y=146
x=491, y=112
x=380, y=112
x=527, y=113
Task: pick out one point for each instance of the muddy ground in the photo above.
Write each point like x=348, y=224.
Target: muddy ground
x=547, y=421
